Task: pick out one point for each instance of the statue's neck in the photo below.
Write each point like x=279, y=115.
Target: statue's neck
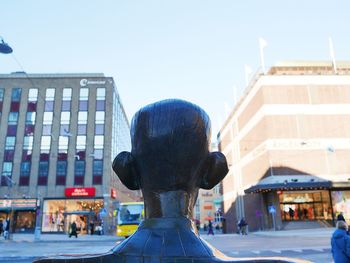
x=171, y=204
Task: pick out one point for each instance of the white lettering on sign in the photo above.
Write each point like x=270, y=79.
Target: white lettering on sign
x=85, y=82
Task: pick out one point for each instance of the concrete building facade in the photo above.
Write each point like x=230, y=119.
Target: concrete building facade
x=60, y=133
x=287, y=143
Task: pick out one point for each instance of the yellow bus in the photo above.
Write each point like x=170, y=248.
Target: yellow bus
x=129, y=216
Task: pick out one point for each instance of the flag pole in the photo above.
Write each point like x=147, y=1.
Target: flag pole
x=331, y=52
x=262, y=44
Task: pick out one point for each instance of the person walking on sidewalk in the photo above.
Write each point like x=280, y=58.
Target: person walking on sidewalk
x=243, y=226
x=73, y=231
x=210, y=228
x=340, y=217
x=340, y=243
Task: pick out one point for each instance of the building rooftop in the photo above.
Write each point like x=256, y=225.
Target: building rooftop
x=309, y=68
x=22, y=74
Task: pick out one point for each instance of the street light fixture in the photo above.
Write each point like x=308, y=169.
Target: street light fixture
x=4, y=47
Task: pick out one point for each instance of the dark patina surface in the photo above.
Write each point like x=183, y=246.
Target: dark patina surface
x=169, y=162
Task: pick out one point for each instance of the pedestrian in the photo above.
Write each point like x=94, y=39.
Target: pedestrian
x=243, y=226
x=340, y=243
x=73, y=230
x=291, y=213
x=92, y=228
x=210, y=228
x=1, y=227
x=7, y=228
x=340, y=217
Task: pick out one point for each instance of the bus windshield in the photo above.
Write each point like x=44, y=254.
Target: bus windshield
x=130, y=214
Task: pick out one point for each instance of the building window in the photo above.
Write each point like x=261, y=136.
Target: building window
x=79, y=172
x=48, y=117
x=49, y=105
x=81, y=129
x=61, y=168
x=98, y=154
x=82, y=117
x=16, y=94
x=8, y=155
x=100, y=117
x=100, y=105
x=43, y=172
x=98, y=143
x=10, y=142
x=30, y=118
x=83, y=105
x=45, y=142
x=64, y=129
x=6, y=174
x=99, y=129
x=47, y=129
x=97, y=172
x=13, y=118
x=50, y=94
x=66, y=105
x=65, y=117
x=26, y=155
x=63, y=142
x=11, y=130
x=33, y=95
x=81, y=142
x=25, y=169
x=67, y=94
x=84, y=94
x=101, y=94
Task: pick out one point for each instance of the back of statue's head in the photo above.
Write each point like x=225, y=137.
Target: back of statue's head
x=170, y=149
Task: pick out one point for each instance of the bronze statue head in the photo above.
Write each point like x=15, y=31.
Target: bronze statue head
x=170, y=152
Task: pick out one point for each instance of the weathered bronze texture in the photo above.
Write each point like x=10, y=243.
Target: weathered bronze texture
x=169, y=162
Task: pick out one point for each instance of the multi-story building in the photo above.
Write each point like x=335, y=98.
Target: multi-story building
x=60, y=133
x=287, y=143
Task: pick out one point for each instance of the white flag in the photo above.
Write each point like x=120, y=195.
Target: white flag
x=262, y=44
x=331, y=52
x=247, y=70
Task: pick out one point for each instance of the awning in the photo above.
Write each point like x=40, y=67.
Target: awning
x=290, y=183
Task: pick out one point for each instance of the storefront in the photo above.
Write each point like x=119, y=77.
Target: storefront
x=305, y=205
x=80, y=206
x=21, y=212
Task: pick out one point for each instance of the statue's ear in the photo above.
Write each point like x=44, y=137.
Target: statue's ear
x=214, y=170
x=124, y=166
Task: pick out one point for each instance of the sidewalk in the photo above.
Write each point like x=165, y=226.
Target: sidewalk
x=17, y=237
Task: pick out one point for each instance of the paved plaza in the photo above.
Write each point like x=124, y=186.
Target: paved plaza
x=313, y=244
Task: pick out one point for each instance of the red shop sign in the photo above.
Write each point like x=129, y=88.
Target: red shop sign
x=80, y=191
x=113, y=193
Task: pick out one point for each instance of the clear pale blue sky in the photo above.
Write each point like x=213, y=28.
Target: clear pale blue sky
x=193, y=50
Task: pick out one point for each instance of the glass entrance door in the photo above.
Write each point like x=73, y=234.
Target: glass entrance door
x=80, y=220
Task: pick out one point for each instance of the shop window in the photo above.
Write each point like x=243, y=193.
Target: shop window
x=11, y=130
x=49, y=105
x=16, y=94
